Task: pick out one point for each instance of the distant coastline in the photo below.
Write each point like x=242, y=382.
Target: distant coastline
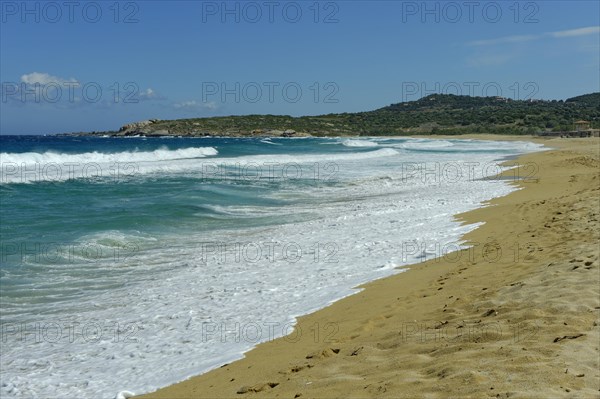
x=437, y=114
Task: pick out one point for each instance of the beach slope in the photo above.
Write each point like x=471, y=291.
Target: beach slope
x=516, y=315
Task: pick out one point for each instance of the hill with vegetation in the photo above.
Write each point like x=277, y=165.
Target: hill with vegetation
x=434, y=114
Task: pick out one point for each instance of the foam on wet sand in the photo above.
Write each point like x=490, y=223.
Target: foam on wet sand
x=515, y=315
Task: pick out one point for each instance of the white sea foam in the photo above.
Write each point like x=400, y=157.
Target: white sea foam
x=35, y=167
x=30, y=158
x=268, y=141
x=52, y=166
x=359, y=143
x=195, y=301
x=426, y=144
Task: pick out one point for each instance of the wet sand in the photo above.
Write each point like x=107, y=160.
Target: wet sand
x=515, y=315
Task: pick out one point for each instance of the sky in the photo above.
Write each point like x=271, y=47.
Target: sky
x=71, y=66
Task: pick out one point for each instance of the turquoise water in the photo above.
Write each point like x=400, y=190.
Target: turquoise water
x=156, y=239
x=74, y=221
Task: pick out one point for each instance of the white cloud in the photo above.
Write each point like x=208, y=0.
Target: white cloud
x=44, y=89
x=150, y=94
x=506, y=39
x=193, y=105
x=590, y=30
x=43, y=79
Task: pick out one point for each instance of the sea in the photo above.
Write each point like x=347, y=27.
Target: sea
x=134, y=263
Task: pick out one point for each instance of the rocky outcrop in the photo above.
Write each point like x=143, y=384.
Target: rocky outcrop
x=184, y=128
x=138, y=127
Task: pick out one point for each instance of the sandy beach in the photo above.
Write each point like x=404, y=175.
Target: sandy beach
x=515, y=315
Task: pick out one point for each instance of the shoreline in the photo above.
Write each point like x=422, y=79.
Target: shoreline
x=405, y=324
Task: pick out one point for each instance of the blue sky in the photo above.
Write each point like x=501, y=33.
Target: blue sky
x=96, y=65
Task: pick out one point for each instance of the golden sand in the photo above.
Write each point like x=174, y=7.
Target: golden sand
x=516, y=315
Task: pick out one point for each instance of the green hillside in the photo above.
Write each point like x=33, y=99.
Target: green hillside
x=434, y=114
